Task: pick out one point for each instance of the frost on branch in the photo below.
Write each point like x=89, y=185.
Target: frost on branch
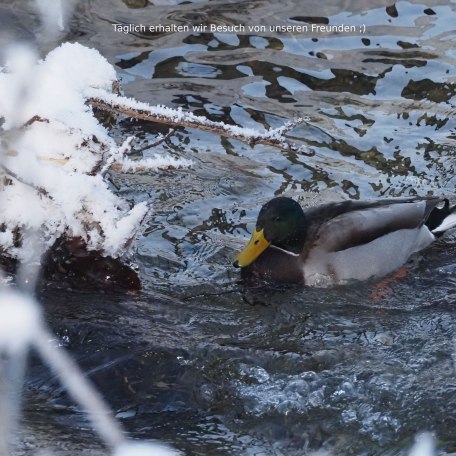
x=274, y=137
x=54, y=152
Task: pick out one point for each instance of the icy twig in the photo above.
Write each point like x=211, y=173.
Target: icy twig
x=176, y=117
x=19, y=320
x=80, y=389
x=146, y=164
x=12, y=369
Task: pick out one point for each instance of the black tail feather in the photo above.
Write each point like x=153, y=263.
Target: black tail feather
x=438, y=215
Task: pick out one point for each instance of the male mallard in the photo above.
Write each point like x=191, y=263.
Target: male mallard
x=337, y=242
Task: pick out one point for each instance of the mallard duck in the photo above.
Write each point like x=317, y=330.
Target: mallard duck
x=335, y=243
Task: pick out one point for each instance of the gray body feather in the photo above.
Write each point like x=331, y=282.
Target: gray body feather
x=366, y=242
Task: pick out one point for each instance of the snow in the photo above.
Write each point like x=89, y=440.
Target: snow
x=154, y=163
x=55, y=86
x=55, y=153
x=20, y=319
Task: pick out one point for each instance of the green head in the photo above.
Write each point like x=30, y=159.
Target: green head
x=282, y=223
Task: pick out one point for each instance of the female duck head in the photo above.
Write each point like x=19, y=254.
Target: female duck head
x=281, y=223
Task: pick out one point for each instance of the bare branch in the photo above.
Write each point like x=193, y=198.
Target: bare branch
x=33, y=120
x=161, y=139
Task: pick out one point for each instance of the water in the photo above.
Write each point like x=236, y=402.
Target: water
x=198, y=360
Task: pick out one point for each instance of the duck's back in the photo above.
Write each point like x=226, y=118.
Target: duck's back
x=359, y=240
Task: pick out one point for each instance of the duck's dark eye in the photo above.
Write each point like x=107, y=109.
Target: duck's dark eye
x=277, y=219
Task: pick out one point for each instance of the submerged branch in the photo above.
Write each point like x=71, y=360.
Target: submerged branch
x=159, y=140
x=176, y=117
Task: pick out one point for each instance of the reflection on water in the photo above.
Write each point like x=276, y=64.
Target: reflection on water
x=216, y=369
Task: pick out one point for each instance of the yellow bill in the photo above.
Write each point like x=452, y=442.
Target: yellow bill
x=256, y=246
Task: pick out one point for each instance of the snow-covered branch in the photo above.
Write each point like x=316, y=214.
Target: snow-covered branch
x=178, y=118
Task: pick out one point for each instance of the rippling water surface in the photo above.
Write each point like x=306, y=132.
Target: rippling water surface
x=217, y=369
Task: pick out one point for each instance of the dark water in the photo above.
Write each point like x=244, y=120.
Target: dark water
x=195, y=359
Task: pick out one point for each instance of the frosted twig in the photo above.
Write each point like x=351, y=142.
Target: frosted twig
x=80, y=389
x=158, y=163
x=124, y=165
x=168, y=116
x=12, y=369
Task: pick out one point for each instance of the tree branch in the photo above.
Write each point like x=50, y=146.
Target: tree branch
x=177, y=118
x=160, y=139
